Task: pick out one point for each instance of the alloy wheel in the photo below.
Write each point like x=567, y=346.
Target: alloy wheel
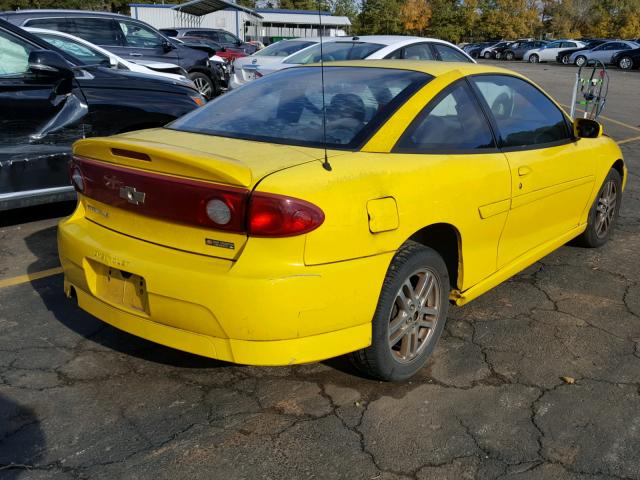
x=203, y=86
x=534, y=58
x=606, y=208
x=566, y=60
x=580, y=61
x=487, y=55
x=413, y=317
x=625, y=63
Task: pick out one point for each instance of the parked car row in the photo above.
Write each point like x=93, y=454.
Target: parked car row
x=624, y=54
x=203, y=54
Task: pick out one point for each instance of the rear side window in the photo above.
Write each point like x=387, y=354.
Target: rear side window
x=420, y=51
x=452, y=122
x=448, y=54
x=59, y=24
x=523, y=114
x=100, y=31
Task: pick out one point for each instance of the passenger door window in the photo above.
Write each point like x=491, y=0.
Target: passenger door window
x=453, y=122
x=83, y=53
x=419, y=51
x=99, y=31
x=14, y=55
x=523, y=115
x=137, y=35
x=448, y=54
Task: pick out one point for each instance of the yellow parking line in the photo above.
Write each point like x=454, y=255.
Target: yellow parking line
x=609, y=119
x=8, y=282
x=627, y=140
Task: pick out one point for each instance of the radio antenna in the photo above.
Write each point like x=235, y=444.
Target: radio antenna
x=325, y=164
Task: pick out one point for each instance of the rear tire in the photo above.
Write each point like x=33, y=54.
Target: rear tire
x=410, y=316
x=565, y=59
x=533, y=58
x=487, y=55
x=509, y=56
x=603, y=213
x=625, y=63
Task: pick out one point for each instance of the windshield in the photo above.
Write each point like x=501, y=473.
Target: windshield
x=83, y=53
x=334, y=51
x=283, y=48
x=358, y=101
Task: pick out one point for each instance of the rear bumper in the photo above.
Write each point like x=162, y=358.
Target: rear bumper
x=219, y=308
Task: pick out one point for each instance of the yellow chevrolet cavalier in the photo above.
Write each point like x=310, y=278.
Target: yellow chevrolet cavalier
x=231, y=234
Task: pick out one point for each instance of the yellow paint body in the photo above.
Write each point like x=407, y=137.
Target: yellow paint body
x=278, y=301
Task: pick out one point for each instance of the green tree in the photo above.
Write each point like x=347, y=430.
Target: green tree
x=379, y=17
x=346, y=8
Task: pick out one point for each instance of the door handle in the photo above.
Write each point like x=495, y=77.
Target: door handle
x=135, y=54
x=524, y=170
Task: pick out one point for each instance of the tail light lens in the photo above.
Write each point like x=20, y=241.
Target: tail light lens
x=279, y=216
x=194, y=202
x=77, y=180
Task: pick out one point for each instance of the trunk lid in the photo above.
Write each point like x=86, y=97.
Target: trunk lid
x=174, y=159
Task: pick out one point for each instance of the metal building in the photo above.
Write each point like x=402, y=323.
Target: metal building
x=266, y=25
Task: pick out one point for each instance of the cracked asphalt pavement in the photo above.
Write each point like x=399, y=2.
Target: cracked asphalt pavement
x=80, y=399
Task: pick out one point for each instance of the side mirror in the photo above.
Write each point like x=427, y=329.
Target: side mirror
x=49, y=64
x=167, y=46
x=113, y=63
x=585, y=128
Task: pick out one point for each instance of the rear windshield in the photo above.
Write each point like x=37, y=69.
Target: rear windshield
x=335, y=51
x=283, y=49
x=358, y=101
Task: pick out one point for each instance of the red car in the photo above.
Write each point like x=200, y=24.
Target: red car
x=228, y=53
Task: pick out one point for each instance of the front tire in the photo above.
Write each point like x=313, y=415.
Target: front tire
x=581, y=60
x=204, y=84
x=603, y=213
x=533, y=58
x=565, y=59
x=509, y=56
x=487, y=55
x=411, y=313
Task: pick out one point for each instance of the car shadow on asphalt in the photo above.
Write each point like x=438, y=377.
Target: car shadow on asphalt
x=66, y=311
x=22, y=441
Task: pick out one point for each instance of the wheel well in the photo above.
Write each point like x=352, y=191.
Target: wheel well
x=619, y=166
x=445, y=239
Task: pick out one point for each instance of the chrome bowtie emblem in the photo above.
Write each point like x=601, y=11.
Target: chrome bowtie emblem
x=131, y=195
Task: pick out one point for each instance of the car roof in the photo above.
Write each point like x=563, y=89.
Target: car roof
x=32, y=13
x=382, y=39
x=431, y=67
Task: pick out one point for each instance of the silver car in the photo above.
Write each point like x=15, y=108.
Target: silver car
x=603, y=52
x=244, y=68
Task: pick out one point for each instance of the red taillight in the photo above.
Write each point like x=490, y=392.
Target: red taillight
x=179, y=200
x=273, y=215
x=194, y=202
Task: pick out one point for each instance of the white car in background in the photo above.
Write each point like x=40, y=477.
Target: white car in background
x=550, y=51
x=244, y=68
x=91, y=53
x=372, y=47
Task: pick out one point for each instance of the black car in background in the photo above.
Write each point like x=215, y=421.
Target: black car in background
x=224, y=38
x=565, y=55
x=627, y=59
x=516, y=50
x=49, y=99
x=124, y=36
x=498, y=52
